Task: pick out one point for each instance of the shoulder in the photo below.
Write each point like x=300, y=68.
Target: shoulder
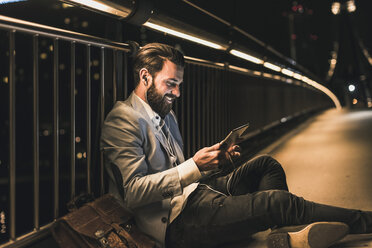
x=123, y=116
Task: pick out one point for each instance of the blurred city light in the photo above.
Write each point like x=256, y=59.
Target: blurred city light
x=351, y=87
x=350, y=6
x=336, y=8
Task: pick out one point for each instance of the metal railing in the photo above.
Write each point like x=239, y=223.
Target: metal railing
x=13, y=27
x=215, y=99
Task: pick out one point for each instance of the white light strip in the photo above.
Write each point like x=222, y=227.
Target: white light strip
x=246, y=56
x=184, y=36
x=272, y=66
x=10, y=1
x=297, y=76
x=98, y=5
x=323, y=89
x=238, y=68
x=287, y=72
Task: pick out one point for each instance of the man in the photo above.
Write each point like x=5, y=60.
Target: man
x=148, y=173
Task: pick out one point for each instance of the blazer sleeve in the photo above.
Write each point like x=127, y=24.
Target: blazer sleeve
x=123, y=138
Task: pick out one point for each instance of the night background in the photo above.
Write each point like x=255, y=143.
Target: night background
x=333, y=49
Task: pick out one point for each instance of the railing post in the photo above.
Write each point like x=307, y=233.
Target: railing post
x=102, y=116
x=72, y=119
x=56, y=128
x=88, y=117
x=12, y=135
x=36, y=131
x=114, y=76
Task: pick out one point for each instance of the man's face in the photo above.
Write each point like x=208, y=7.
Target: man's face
x=165, y=88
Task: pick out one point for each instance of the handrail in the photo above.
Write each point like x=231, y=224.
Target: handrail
x=48, y=31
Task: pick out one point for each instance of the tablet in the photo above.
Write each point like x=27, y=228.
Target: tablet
x=234, y=137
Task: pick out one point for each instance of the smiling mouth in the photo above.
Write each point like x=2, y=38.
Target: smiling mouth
x=169, y=99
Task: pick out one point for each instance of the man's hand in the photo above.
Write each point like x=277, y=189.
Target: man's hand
x=234, y=151
x=209, y=158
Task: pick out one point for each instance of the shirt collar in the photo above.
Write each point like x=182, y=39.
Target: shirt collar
x=155, y=117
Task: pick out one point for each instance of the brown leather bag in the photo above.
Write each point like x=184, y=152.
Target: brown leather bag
x=101, y=223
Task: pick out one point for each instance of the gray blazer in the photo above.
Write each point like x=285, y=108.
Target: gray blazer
x=139, y=166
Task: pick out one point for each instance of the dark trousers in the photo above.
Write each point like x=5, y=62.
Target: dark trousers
x=253, y=198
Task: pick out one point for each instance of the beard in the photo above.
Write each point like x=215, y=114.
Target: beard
x=157, y=102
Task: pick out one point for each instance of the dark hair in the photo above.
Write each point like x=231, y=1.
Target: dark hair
x=152, y=57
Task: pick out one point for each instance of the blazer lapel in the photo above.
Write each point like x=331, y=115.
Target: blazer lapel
x=137, y=105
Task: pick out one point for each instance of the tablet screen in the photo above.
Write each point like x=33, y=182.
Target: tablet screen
x=234, y=137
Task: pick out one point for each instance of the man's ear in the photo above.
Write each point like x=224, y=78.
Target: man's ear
x=144, y=74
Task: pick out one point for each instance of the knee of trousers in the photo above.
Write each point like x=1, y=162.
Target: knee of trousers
x=284, y=207
x=270, y=162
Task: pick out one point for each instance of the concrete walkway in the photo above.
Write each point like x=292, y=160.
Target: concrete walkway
x=328, y=160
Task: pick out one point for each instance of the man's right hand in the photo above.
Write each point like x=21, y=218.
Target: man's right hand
x=209, y=158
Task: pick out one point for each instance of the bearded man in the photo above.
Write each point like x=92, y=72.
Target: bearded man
x=147, y=172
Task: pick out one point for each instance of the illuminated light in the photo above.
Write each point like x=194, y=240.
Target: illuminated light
x=6, y=80
x=11, y=1
x=277, y=77
x=238, y=68
x=306, y=80
x=350, y=6
x=288, y=80
x=287, y=72
x=79, y=155
x=62, y=131
x=355, y=101
x=67, y=20
x=283, y=120
x=75, y=92
x=351, y=87
x=43, y=56
x=370, y=60
x=258, y=73
x=297, y=76
x=51, y=48
x=96, y=76
x=272, y=66
x=62, y=67
x=84, y=24
x=183, y=35
x=77, y=139
x=333, y=61
x=101, y=6
x=46, y=132
x=65, y=5
x=84, y=155
x=369, y=102
x=336, y=8
x=327, y=92
x=246, y=56
x=95, y=62
x=268, y=75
